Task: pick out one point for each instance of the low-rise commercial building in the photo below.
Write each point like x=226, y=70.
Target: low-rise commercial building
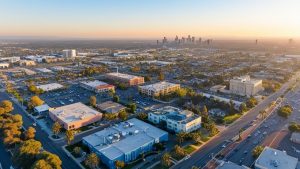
x=245, y=86
x=50, y=87
x=128, y=80
x=230, y=165
x=176, y=120
x=27, y=63
x=160, y=88
x=111, y=107
x=42, y=109
x=97, y=86
x=295, y=137
x=4, y=65
x=75, y=115
x=275, y=159
x=124, y=141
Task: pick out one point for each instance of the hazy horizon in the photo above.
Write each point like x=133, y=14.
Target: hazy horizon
x=149, y=20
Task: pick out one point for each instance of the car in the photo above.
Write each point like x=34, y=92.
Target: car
x=245, y=152
x=224, y=145
x=34, y=124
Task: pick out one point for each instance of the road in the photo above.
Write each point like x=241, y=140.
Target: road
x=41, y=136
x=203, y=155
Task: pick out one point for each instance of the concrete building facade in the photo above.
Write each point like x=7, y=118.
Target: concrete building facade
x=97, y=86
x=245, y=86
x=128, y=80
x=160, y=88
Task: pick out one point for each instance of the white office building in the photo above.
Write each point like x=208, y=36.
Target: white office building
x=4, y=65
x=67, y=53
x=176, y=119
x=275, y=159
x=160, y=88
x=50, y=87
x=245, y=86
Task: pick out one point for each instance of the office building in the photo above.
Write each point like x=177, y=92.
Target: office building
x=176, y=120
x=128, y=80
x=244, y=86
x=97, y=86
x=160, y=88
x=275, y=159
x=111, y=107
x=124, y=141
x=74, y=116
x=4, y=65
x=68, y=53
x=50, y=87
x=27, y=63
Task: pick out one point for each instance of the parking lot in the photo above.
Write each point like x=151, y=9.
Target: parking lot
x=73, y=94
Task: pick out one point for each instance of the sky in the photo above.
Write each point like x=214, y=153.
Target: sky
x=150, y=19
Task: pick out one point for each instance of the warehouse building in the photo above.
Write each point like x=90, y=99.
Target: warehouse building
x=125, y=141
x=50, y=87
x=75, y=115
x=128, y=80
x=97, y=86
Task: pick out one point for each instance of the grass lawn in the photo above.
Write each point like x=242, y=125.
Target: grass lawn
x=160, y=166
x=231, y=118
x=189, y=149
x=84, y=148
x=205, y=139
x=197, y=144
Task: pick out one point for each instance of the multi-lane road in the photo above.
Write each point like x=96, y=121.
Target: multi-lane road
x=203, y=155
x=41, y=136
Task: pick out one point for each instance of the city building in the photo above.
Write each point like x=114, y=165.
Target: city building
x=176, y=120
x=44, y=70
x=128, y=80
x=50, y=87
x=27, y=63
x=275, y=159
x=42, y=109
x=12, y=59
x=230, y=165
x=245, y=86
x=295, y=137
x=74, y=116
x=4, y=65
x=160, y=88
x=68, y=53
x=124, y=141
x=111, y=107
x=97, y=86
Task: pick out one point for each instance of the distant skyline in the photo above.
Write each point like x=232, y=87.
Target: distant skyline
x=150, y=19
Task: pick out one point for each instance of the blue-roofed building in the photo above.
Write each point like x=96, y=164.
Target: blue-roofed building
x=124, y=141
x=176, y=119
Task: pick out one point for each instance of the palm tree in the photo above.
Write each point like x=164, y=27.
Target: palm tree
x=56, y=128
x=166, y=160
x=119, y=164
x=69, y=136
x=92, y=160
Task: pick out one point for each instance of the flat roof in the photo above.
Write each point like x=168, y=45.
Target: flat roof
x=123, y=138
x=158, y=86
x=51, y=86
x=74, y=112
x=42, y=108
x=275, y=159
x=94, y=83
x=122, y=75
x=110, y=107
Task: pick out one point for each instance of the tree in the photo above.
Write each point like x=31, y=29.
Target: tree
x=56, y=128
x=70, y=136
x=41, y=164
x=119, y=164
x=179, y=151
x=26, y=152
x=166, y=160
x=30, y=133
x=294, y=127
x=132, y=107
x=2, y=111
x=196, y=136
x=204, y=111
x=92, y=161
x=7, y=106
x=263, y=114
x=181, y=92
x=243, y=108
x=147, y=78
x=161, y=76
x=123, y=115
x=285, y=111
x=257, y=151
x=251, y=102
x=35, y=101
x=180, y=137
x=51, y=159
x=93, y=101
x=142, y=116
x=194, y=167
x=77, y=150
x=116, y=98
